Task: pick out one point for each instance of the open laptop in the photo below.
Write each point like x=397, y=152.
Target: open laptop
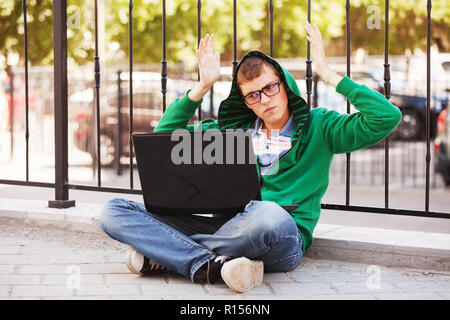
x=199, y=172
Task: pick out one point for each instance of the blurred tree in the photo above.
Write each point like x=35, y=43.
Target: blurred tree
x=10, y=13
x=40, y=31
x=217, y=18
x=407, y=25
x=407, y=28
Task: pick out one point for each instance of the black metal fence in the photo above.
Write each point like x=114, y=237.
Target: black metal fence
x=61, y=184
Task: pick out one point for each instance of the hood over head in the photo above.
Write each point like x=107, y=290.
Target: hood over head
x=234, y=113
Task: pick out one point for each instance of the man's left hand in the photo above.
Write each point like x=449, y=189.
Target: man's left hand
x=315, y=38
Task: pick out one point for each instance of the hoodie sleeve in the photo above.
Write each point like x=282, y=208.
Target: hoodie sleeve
x=376, y=119
x=178, y=114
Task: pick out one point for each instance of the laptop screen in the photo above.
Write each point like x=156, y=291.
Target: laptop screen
x=197, y=172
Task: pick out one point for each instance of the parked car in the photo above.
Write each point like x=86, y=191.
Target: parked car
x=413, y=107
x=145, y=119
x=4, y=113
x=147, y=111
x=442, y=145
x=18, y=101
x=413, y=124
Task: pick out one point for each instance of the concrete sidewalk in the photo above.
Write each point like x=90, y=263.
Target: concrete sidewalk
x=43, y=249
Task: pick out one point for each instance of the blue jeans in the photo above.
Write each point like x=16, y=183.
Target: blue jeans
x=183, y=243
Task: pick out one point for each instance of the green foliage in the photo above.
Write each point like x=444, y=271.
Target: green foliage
x=407, y=28
x=40, y=31
x=217, y=17
x=407, y=25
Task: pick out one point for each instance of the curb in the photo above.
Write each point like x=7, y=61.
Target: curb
x=81, y=218
x=386, y=247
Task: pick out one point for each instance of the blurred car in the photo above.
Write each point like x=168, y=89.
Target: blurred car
x=413, y=124
x=413, y=107
x=442, y=145
x=4, y=113
x=444, y=74
x=147, y=111
x=145, y=119
x=19, y=111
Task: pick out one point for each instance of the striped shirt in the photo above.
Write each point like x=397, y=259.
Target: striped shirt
x=270, y=149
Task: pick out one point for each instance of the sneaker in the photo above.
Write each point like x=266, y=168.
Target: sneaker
x=239, y=274
x=141, y=265
x=242, y=274
x=210, y=271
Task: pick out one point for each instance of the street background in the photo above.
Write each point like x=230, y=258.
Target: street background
x=51, y=254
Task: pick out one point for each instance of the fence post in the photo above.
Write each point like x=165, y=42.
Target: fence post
x=130, y=83
x=308, y=61
x=118, y=147
x=61, y=117
x=27, y=131
x=271, y=26
x=348, y=53
x=315, y=83
x=164, y=61
x=11, y=110
x=199, y=36
x=428, y=116
x=235, y=62
x=97, y=97
x=387, y=93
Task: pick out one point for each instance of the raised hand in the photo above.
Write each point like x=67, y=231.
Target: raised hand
x=208, y=61
x=315, y=38
x=320, y=61
x=209, y=68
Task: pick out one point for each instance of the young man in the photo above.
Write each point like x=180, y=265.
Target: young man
x=294, y=146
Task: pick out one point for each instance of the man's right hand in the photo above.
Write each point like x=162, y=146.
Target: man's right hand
x=209, y=68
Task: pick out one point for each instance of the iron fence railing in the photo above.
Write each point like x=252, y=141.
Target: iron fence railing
x=61, y=184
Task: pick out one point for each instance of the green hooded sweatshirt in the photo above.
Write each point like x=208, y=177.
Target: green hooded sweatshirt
x=303, y=172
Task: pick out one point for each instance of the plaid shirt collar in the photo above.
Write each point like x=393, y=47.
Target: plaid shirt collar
x=286, y=131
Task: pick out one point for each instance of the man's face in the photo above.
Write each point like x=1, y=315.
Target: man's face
x=273, y=110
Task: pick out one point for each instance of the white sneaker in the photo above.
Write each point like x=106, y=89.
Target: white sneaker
x=242, y=274
x=141, y=265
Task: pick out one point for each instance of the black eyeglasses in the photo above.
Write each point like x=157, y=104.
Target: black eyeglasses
x=269, y=90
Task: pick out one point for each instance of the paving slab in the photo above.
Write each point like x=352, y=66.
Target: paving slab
x=43, y=262
x=388, y=247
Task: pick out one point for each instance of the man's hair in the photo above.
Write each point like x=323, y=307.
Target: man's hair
x=252, y=68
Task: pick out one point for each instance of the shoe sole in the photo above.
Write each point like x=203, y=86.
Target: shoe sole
x=129, y=253
x=242, y=274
